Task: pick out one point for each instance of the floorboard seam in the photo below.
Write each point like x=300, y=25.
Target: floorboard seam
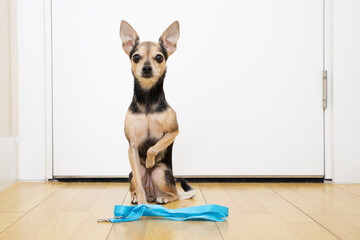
x=112, y=224
x=347, y=190
x=207, y=203
x=32, y=209
x=328, y=230
x=11, y=212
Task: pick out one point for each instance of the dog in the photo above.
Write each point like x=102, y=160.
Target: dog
x=150, y=124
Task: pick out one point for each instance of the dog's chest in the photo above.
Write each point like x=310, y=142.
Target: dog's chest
x=139, y=127
x=156, y=125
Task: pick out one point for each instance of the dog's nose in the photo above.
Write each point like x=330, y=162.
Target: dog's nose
x=147, y=69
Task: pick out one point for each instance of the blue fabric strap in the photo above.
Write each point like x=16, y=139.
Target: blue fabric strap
x=209, y=212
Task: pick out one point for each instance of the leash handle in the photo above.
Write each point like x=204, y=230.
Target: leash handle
x=208, y=212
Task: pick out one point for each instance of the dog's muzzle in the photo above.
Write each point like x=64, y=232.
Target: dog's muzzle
x=147, y=71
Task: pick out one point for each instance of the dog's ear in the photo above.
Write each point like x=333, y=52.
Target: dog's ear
x=170, y=37
x=128, y=36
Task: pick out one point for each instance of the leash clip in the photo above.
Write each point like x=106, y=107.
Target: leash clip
x=108, y=219
x=103, y=220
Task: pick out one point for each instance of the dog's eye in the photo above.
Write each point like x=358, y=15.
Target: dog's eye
x=136, y=58
x=159, y=58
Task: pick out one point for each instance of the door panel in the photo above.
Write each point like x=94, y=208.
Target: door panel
x=245, y=82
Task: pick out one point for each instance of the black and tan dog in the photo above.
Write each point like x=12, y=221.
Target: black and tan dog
x=150, y=124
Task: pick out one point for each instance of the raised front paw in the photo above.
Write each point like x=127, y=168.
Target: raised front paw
x=150, y=158
x=150, y=162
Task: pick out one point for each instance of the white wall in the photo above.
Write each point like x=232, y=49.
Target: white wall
x=5, y=81
x=31, y=78
x=8, y=95
x=346, y=76
x=7, y=162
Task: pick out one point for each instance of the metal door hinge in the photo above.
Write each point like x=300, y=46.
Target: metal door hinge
x=324, y=89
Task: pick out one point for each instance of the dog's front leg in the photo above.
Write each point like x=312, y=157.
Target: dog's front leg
x=135, y=168
x=161, y=145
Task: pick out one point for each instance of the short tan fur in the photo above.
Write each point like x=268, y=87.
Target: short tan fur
x=151, y=124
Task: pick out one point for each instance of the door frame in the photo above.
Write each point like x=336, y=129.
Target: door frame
x=49, y=155
x=328, y=119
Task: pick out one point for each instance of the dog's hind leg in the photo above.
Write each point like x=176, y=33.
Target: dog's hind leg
x=164, y=184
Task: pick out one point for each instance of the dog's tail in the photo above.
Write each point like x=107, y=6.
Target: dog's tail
x=189, y=192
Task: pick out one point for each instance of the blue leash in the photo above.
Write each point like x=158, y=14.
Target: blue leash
x=209, y=212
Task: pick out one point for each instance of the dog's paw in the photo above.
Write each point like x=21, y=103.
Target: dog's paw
x=149, y=163
x=150, y=199
x=150, y=158
x=161, y=200
x=134, y=200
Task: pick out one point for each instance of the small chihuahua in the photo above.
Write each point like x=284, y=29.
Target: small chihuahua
x=150, y=124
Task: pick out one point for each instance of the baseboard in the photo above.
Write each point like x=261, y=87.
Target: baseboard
x=7, y=162
x=203, y=180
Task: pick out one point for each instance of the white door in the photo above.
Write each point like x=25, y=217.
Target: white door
x=245, y=82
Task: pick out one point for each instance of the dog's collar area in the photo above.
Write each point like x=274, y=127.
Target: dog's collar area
x=149, y=100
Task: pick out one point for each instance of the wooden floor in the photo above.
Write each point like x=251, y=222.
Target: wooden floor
x=256, y=211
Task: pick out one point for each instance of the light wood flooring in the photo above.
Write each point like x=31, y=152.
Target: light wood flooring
x=256, y=211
